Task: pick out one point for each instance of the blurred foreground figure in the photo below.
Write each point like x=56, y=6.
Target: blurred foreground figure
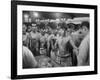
x=83, y=56
x=28, y=58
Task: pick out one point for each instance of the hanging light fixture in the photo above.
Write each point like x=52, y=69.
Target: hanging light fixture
x=35, y=14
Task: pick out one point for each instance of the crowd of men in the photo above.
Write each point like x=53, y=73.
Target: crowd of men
x=66, y=44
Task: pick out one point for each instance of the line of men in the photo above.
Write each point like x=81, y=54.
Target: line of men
x=57, y=44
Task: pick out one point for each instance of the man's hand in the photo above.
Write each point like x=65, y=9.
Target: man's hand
x=76, y=51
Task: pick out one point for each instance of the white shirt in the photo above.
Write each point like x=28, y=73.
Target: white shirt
x=28, y=58
x=83, y=56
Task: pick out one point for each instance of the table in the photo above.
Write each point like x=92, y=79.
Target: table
x=45, y=59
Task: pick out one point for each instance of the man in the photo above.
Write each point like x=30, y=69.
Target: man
x=83, y=56
x=66, y=46
x=34, y=41
x=79, y=35
x=29, y=60
x=25, y=38
x=43, y=45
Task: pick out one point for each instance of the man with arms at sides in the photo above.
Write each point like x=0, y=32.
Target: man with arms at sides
x=25, y=36
x=34, y=41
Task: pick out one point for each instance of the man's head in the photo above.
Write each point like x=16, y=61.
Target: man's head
x=85, y=26
x=29, y=28
x=24, y=28
x=33, y=29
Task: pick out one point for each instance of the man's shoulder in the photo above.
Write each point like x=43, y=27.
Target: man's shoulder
x=25, y=50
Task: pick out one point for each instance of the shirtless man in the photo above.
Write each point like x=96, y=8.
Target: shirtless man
x=25, y=38
x=34, y=41
x=43, y=43
x=66, y=45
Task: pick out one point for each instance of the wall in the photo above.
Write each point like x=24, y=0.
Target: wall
x=5, y=39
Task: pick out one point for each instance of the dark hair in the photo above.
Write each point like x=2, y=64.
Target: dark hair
x=71, y=25
x=85, y=23
x=63, y=25
x=52, y=25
